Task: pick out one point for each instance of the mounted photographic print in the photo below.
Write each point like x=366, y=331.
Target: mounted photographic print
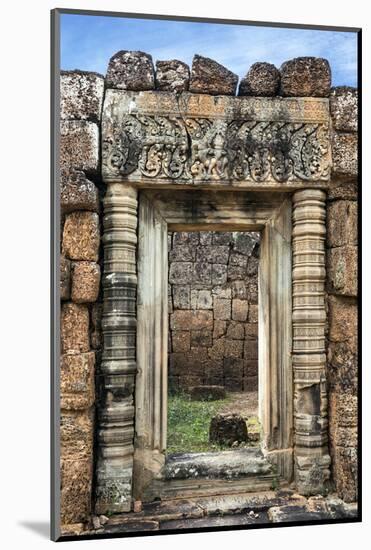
x=205, y=255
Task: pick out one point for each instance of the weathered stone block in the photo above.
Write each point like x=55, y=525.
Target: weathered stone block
x=202, y=274
x=76, y=482
x=251, y=331
x=262, y=79
x=305, y=77
x=253, y=313
x=213, y=371
x=172, y=76
x=343, y=366
x=220, y=328
x=344, y=154
x=213, y=254
x=342, y=270
x=191, y=319
x=344, y=108
x=252, y=266
x=236, y=273
x=222, y=291
x=240, y=309
x=74, y=328
x=209, y=77
x=222, y=309
x=250, y=350
x=345, y=436
x=233, y=367
x=186, y=237
x=202, y=319
x=180, y=273
x=77, y=192
x=181, y=340
x=181, y=297
x=181, y=320
x=81, y=236
x=216, y=352
x=233, y=348
x=79, y=146
x=77, y=434
x=85, y=282
x=130, y=70
x=226, y=429
x=340, y=189
x=206, y=238
x=342, y=223
x=201, y=299
x=221, y=238
x=201, y=338
x=236, y=331
x=218, y=274
x=81, y=95
x=182, y=253
x=186, y=364
x=65, y=278
x=250, y=368
x=252, y=290
x=345, y=472
x=244, y=243
x=343, y=409
x=77, y=380
x=237, y=259
x=343, y=321
x=239, y=290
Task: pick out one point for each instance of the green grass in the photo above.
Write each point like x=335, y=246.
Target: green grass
x=188, y=424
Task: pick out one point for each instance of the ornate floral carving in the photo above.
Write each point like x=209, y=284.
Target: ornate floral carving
x=192, y=149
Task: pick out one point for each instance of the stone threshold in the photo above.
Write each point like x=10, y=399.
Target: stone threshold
x=227, y=464
x=283, y=506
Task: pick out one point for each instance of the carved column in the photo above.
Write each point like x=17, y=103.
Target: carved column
x=116, y=404
x=309, y=353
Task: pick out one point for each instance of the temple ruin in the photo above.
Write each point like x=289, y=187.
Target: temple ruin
x=208, y=237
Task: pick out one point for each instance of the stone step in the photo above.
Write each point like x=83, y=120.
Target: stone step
x=217, y=465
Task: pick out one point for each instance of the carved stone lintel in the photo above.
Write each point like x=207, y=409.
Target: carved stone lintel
x=190, y=140
x=116, y=403
x=309, y=352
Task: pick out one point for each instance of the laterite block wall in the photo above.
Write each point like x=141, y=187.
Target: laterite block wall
x=81, y=106
x=342, y=250
x=213, y=310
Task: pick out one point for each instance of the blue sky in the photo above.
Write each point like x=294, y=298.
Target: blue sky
x=88, y=42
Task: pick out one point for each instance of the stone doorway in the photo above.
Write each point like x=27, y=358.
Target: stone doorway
x=154, y=476
x=213, y=341
x=216, y=164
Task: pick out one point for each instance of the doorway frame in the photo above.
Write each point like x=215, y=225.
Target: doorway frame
x=267, y=146
x=164, y=211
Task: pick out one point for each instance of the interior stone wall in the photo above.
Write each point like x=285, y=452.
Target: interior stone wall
x=342, y=278
x=213, y=311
